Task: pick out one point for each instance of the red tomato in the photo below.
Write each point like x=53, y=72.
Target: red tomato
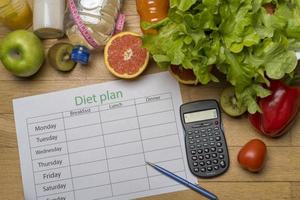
x=252, y=155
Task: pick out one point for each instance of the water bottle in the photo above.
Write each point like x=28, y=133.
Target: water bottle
x=47, y=25
x=89, y=24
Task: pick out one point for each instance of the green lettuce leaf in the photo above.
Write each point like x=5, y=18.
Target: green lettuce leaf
x=238, y=37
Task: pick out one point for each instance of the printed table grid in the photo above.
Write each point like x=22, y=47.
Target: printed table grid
x=141, y=135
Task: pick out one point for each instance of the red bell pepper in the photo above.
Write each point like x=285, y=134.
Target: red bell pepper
x=278, y=110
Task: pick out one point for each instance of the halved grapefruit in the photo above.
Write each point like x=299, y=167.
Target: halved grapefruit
x=124, y=55
x=182, y=75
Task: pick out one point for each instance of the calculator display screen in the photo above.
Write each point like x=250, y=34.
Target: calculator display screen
x=200, y=115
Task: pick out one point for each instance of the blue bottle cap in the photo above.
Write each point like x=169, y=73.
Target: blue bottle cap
x=80, y=54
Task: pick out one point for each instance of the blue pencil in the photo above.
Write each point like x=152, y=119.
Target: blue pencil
x=192, y=186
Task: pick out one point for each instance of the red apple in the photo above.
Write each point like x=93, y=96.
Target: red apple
x=252, y=155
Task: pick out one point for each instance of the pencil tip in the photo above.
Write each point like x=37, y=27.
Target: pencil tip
x=149, y=163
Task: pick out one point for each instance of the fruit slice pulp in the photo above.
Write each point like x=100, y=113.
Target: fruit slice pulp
x=229, y=103
x=124, y=55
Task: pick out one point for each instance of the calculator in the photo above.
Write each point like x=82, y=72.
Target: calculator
x=205, y=143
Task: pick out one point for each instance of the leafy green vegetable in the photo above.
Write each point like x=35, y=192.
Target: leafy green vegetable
x=250, y=41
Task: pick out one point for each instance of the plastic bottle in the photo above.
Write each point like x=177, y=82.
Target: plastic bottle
x=46, y=24
x=15, y=14
x=98, y=17
x=152, y=11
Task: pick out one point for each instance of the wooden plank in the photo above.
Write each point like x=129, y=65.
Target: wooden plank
x=3, y=30
x=282, y=164
x=295, y=132
x=8, y=137
x=239, y=131
x=295, y=191
x=232, y=191
x=10, y=176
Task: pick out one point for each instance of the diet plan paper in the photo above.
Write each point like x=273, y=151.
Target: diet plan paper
x=92, y=142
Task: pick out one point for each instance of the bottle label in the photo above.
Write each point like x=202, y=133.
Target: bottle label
x=90, y=4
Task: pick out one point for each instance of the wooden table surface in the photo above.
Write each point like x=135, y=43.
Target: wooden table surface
x=280, y=179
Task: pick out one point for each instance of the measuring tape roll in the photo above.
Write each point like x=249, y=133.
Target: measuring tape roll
x=82, y=28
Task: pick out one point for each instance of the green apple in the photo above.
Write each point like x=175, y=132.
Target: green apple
x=22, y=53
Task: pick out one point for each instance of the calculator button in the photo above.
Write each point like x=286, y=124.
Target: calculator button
x=191, y=142
x=211, y=139
x=196, y=131
x=217, y=133
x=210, y=134
x=198, y=141
x=219, y=144
x=205, y=145
x=190, y=132
x=208, y=162
x=195, y=164
x=206, y=150
x=212, y=144
x=216, y=128
x=203, y=169
x=198, y=146
x=193, y=152
x=207, y=156
x=204, y=140
x=223, y=164
x=202, y=130
x=201, y=163
x=209, y=169
x=209, y=130
x=214, y=155
x=201, y=157
x=196, y=169
x=220, y=150
x=216, y=167
x=203, y=134
x=221, y=156
x=216, y=122
x=192, y=146
x=213, y=149
x=200, y=151
x=218, y=138
x=194, y=157
x=190, y=137
x=197, y=136
x=215, y=161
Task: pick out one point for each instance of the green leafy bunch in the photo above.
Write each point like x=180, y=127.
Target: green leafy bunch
x=250, y=41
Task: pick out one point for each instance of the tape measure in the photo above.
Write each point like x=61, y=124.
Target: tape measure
x=84, y=30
